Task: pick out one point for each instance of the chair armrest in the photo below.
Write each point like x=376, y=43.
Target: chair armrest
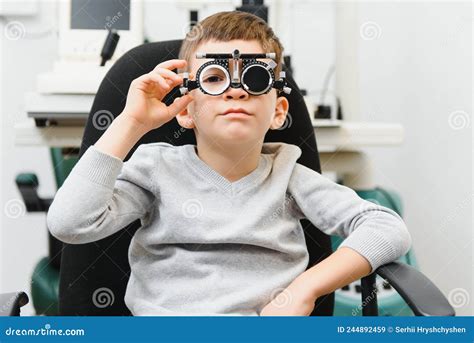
x=27, y=184
x=10, y=303
x=421, y=295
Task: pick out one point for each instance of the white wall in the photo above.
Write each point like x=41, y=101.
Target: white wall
x=419, y=72
x=24, y=239
x=415, y=73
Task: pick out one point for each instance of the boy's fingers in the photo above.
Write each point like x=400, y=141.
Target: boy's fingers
x=179, y=104
x=144, y=81
x=173, y=82
x=172, y=64
x=160, y=80
x=191, y=76
x=167, y=74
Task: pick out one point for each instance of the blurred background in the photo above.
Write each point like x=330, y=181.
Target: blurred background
x=390, y=83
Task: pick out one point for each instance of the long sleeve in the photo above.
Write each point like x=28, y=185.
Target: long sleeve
x=102, y=195
x=374, y=231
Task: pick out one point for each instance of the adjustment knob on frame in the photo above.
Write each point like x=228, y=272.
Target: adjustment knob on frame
x=184, y=88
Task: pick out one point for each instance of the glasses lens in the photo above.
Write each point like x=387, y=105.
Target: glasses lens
x=214, y=79
x=256, y=79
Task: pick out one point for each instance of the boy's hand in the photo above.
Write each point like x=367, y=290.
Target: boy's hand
x=295, y=300
x=144, y=99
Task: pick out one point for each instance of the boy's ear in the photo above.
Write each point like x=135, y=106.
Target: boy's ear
x=281, y=110
x=185, y=119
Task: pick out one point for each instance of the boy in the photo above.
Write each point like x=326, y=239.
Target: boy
x=221, y=231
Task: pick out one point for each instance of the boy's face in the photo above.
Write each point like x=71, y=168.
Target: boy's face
x=206, y=114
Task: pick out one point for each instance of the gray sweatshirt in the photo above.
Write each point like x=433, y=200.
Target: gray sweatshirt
x=208, y=246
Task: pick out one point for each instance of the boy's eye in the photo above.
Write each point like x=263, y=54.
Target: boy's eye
x=213, y=78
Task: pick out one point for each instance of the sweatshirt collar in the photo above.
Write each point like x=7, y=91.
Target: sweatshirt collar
x=250, y=180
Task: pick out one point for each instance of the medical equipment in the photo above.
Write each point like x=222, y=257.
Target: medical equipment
x=83, y=29
x=256, y=7
x=64, y=95
x=109, y=46
x=215, y=77
x=84, y=25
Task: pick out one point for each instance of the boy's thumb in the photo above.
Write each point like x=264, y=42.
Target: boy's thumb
x=180, y=104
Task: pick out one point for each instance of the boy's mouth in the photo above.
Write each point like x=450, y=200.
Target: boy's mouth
x=235, y=111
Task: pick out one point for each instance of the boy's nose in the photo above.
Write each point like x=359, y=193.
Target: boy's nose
x=236, y=93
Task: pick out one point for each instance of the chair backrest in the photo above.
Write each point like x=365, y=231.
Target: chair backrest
x=88, y=269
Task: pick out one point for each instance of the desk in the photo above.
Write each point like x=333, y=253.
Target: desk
x=340, y=147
